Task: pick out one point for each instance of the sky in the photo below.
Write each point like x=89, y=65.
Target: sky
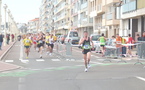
x=22, y=10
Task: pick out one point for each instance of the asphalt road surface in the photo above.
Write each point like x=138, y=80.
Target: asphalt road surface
x=60, y=72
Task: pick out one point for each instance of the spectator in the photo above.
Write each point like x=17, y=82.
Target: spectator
x=130, y=41
x=12, y=36
x=8, y=38
x=1, y=41
x=113, y=41
x=123, y=47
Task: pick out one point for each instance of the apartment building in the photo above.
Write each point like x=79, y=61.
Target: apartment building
x=45, y=15
x=61, y=12
x=105, y=17
x=81, y=21
x=33, y=25
x=132, y=17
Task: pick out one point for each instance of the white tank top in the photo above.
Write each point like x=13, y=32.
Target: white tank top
x=51, y=40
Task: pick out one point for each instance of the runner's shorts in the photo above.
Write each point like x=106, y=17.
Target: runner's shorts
x=51, y=45
x=27, y=46
x=40, y=45
x=85, y=51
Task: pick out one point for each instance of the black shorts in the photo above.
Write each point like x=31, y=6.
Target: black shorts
x=51, y=45
x=27, y=47
x=85, y=51
x=47, y=44
x=102, y=45
x=40, y=45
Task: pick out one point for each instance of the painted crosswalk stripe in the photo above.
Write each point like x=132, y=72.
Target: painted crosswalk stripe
x=24, y=61
x=141, y=78
x=55, y=60
x=40, y=60
x=9, y=61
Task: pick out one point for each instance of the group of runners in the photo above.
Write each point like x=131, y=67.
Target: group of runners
x=40, y=41
x=47, y=40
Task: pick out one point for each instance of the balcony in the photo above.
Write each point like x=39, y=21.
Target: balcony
x=111, y=20
x=129, y=7
x=111, y=1
x=100, y=9
x=110, y=16
x=84, y=5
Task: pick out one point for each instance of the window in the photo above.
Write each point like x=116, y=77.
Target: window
x=73, y=34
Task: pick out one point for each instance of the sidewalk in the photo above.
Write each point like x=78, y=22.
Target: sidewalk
x=6, y=66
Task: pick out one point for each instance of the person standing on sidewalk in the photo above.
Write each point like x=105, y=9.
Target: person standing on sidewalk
x=119, y=45
x=8, y=38
x=1, y=41
x=130, y=41
x=27, y=44
x=12, y=36
x=102, y=40
x=87, y=45
x=124, y=47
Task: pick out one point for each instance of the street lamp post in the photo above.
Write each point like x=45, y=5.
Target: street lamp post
x=5, y=9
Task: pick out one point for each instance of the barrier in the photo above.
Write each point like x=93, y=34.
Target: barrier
x=112, y=52
x=64, y=51
x=140, y=52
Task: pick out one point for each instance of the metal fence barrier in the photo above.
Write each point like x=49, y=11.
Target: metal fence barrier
x=113, y=52
x=64, y=51
x=140, y=52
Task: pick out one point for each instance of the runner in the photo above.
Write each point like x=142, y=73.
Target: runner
x=40, y=44
x=35, y=41
x=27, y=43
x=102, y=40
x=55, y=38
x=86, y=43
x=47, y=43
x=51, y=44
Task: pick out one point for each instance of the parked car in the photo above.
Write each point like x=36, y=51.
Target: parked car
x=62, y=38
x=95, y=38
x=72, y=37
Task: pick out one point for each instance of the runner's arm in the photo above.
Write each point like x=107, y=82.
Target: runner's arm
x=81, y=41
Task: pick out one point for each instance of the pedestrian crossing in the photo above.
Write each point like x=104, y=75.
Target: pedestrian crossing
x=37, y=60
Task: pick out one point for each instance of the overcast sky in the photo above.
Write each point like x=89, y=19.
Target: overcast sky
x=23, y=10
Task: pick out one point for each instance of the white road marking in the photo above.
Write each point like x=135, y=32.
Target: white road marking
x=9, y=61
x=55, y=60
x=40, y=60
x=24, y=61
x=141, y=78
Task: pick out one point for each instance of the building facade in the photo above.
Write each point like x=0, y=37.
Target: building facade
x=81, y=20
x=105, y=17
x=132, y=17
x=33, y=26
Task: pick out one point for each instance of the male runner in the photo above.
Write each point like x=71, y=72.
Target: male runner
x=87, y=45
x=27, y=44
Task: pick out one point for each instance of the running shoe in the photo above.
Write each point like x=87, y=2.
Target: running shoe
x=40, y=56
x=89, y=66
x=50, y=54
x=86, y=70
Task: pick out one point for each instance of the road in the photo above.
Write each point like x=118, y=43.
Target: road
x=67, y=73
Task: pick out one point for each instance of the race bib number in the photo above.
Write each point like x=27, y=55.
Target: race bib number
x=27, y=41
x=87, y=46
x=40, y=41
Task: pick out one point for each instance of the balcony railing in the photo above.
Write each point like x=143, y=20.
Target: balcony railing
x=128, y=7
x=84, y=5
x=109, y=16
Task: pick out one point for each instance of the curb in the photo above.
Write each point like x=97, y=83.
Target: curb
x=13, y=67
x=6, y=51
